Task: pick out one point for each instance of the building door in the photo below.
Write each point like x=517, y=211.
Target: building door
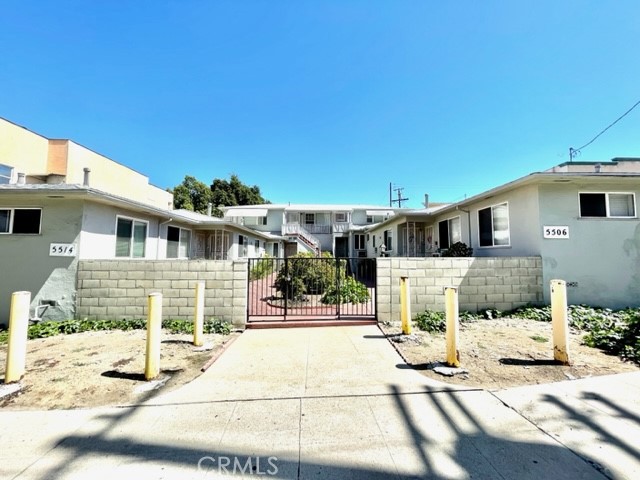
x=342, y=247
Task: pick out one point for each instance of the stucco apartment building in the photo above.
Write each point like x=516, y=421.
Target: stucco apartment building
x=338, y=229
x=61, y=203
x=581, y=218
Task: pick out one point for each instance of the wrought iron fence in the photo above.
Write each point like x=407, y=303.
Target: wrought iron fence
x=311, y=288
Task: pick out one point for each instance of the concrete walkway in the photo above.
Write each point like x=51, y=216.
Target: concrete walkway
x=334, y=403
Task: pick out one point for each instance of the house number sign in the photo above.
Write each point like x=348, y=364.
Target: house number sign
x=62, y=250
x=556, y=231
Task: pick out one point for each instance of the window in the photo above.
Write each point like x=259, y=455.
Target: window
x=178, y=242
x=256, y=246
x=131, y=237
x=275, y=250
x=359, y=241
x=22, y=221
x=243, y=243
x=493, y=225
x=369, y=218
x=449, y=232
x=309, y=218
x=341, y=217
x=388, y=240
x=6, y=173
x=262, y=220
x=614, y=205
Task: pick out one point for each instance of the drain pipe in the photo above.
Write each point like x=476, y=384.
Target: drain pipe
x=158, y=238
x=87, y=172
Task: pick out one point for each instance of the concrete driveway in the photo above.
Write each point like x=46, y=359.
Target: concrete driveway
x=334, y=403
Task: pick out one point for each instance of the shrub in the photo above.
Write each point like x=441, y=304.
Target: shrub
x=263, y=268
x=305, y=273
x=431, y=321
x=351, y=291
x=66, y=327
x=458, y=249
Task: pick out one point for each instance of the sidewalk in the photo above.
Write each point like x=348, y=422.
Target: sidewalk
x=334, y=403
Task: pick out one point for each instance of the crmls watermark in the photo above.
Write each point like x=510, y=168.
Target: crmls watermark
x=240, y=465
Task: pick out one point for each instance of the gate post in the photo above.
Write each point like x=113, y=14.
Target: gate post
x=17, y=342
x=154, y=331
x=560, y=321
x=405, y=305
x=451, y=335
x=198, y=320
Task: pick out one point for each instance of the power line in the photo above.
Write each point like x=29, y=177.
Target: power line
x=573, y=152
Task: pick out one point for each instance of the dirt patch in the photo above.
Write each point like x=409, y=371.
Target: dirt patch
x=504, y=353
x=102, y=368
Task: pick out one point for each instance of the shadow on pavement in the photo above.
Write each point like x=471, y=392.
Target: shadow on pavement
x=468, y=451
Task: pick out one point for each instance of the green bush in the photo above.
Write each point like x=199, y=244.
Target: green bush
x=430, y=321
x=458, y=249
x=66, y=327
x=306, y=274
x=263, y=268
x=351, y=291
x=615, y=332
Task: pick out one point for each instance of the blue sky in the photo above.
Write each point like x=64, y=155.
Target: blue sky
x=328, y=101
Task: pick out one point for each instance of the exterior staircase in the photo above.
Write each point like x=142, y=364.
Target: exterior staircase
x=301, y=234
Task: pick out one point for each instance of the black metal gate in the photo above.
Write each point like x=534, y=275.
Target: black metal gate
x=311, y=288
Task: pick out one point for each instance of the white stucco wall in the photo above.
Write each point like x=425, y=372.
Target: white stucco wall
x=27, y=265
x=98, y=237
x=602, y=255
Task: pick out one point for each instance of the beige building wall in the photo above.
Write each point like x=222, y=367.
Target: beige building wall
x=112, y=177
x=22, y=149
x=63, y=161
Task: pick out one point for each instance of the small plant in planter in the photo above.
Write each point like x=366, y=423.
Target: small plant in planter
x=458, y=249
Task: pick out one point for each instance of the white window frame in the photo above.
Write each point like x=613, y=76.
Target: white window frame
x=179, y=241
x=449, y=240
x=243, y=246
x=363, y=243
x=493, y=240
x=8, y=177
x=12, y=211
x=306, y=218
x=146, y=237
x=389, y=234
x=341, y=217
x=262, y=220
x=606, y=204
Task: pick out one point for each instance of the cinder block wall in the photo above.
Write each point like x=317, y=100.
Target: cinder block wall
x=500, y=283
x=116, y=289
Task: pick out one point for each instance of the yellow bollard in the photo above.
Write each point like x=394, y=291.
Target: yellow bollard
x=451, y=308
x=560, y=321
x=17, y=342
x=405, y=305
x=198, y=314
x=154, y=330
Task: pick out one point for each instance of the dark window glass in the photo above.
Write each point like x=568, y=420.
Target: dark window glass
x=123, y=237
x=173, y=241
x=5, y=218
x=26, y=221
x=593, y=205
x=486, y=229
x=443, y=233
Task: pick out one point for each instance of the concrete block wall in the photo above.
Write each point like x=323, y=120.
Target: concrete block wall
x=114, y=289
x=501, y=283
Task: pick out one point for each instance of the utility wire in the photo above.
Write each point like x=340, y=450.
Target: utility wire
x=575, y=151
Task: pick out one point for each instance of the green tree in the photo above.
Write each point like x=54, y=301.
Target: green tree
x=192, y=194
x=233, y=192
